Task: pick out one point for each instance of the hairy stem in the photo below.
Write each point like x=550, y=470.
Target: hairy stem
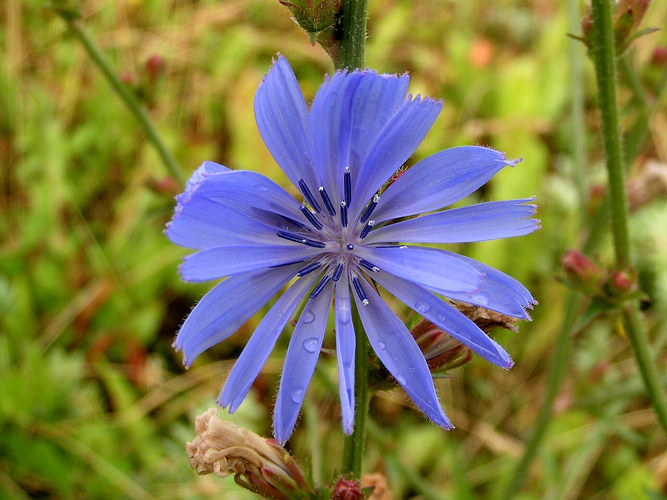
x=354, y=445
x=604, y=57
x=355, y=13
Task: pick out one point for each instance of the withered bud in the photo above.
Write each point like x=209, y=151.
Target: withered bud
x=223, y=448
x=487, y=319
x=441, y=351
x=581, y=272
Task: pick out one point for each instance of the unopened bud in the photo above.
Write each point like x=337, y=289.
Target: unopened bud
x=627, y=18
x=313, y=16
x=621, y=283
x=155, y=66
x=581, y=271
x=659, y=57
x=347, y=489
x=224, y=449
x=628, y=15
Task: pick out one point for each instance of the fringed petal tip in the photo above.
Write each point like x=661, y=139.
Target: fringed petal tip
x=204, y=171
x=513, y=163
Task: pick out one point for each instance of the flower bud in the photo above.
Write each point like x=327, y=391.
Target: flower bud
x=581, y=271
x=155, y=67
x=313, y=16
x=258, y=464
x=627, y=18
x=347, y=489
x=621, y=283
x=441, y=351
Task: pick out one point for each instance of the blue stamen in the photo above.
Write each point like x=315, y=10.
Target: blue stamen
x=309, y=196
x=369, y=209
x=360, y=291
x=368, y=265
x=337, y=272
x=311, y=217
x=343, y=213
x=320, y=286
x=347, y=185
x=327, y=201
x=300, y=239
x=350, y=246
x=292, y=221
x=309, y=269
x=367, y=229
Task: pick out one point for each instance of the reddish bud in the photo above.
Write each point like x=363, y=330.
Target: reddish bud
x=155, y=66
x=127, y=78
x=347, y=489
x=581, y=271
x=621, y=282
x=659, y=57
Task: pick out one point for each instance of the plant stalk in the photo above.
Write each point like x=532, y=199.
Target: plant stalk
x=603, y=53
x=355, y=14
x=353, y=452
x=130, y=101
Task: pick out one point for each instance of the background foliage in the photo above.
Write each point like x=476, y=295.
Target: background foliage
x=94, y=403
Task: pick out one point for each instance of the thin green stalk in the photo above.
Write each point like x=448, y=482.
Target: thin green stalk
x=557, y=371
x=131, y=102
x=355, y=13
x=353, y=452
x=604, y=58
x=603, y=53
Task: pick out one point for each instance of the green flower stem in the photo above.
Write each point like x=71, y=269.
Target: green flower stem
x=557, y=371
x=126, y=96
x=355, y=13
x=353, y=452
x=604, y=58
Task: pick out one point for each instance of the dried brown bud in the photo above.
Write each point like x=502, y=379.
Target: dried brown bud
x=223, y=448
x=441, y=351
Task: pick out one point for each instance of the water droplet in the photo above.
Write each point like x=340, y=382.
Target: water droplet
x=308, y=316
x=441, y=318
x=261, y=187
x=481, y=298
x=296, y=395
x=310, y=344
x=400, y=379
x=382, y=345
x=344, y=319
x=422, y=308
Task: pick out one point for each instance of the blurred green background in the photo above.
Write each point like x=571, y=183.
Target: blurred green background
x=94, y=403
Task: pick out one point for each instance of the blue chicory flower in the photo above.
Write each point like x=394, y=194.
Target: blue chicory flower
x=344, y=238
